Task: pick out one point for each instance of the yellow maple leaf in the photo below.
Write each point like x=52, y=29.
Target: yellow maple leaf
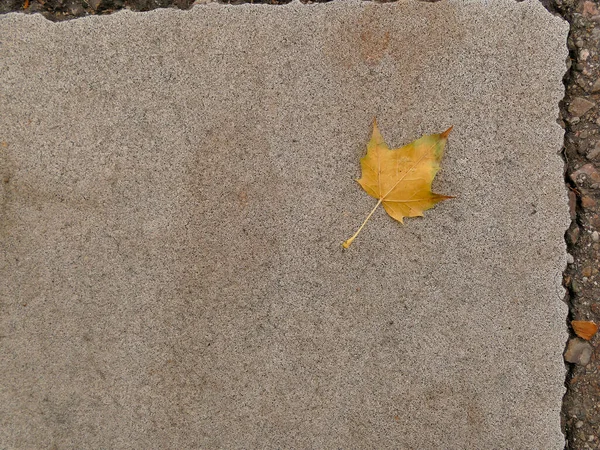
x=401, y=178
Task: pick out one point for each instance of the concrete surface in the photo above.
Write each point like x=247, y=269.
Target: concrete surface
x=175, y=190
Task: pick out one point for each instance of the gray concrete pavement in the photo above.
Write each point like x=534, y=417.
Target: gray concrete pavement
x=176, y=187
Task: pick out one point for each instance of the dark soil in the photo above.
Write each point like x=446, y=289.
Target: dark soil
x=57, y=10
x=581, y=121
x=581, y=406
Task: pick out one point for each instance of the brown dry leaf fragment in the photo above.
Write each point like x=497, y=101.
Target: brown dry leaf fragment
x=401, y=178
x=584, y=329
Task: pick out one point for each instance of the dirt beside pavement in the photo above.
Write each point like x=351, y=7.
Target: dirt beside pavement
x=581, y=120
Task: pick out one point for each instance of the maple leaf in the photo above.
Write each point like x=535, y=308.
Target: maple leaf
x=401, y=178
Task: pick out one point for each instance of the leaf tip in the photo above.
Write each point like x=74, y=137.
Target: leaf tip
x=445, y=134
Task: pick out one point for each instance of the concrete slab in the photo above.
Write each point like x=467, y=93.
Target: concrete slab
x=176, y=187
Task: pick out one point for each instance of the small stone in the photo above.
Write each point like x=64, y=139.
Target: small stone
x=584, y=54
x=578, y=352
x=595, y=236
x=587, y=170
x=575, y=286
x=589, y=9
x=590, y=171
x=579, y=106
x=578, y=424
x=572, y=204
x=582, y=83
x=570, y=259
x=588, y=202
x=573, y=234
x=76, y=9
x=35, y=7
x=586, y=272
x=573, y=120
x=94, y=4
x=596, y=86
x=594, y=151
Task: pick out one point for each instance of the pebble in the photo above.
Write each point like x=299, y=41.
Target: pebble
x=584, y=54
x=579, y=106
x=573, y=234
x=583, y=83
x=595, y=236
x=588, y=202
x=95, y=4
x=578, y=424
x=596, y=86
x=578, y=352
x=570, y=259
x=572, y=204
x=76, y=9
x=594, y=151
x=589, y=171
x=589, y=9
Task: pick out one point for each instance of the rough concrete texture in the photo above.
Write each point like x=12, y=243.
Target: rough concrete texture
x=175, y=190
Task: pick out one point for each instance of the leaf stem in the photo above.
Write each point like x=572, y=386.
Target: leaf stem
x=349, y=241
